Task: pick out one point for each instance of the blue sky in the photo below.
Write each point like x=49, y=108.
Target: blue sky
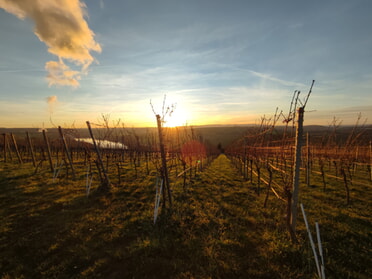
x=221, y=62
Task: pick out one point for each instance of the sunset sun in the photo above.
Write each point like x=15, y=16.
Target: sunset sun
x=179, y=117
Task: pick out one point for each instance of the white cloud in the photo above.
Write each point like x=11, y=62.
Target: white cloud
x=62, y=27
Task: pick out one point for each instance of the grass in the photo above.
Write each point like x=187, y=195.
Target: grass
x=218, y=228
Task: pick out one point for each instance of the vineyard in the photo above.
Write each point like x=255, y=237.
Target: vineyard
x=113, y=202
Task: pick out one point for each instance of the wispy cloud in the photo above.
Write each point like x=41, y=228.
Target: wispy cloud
x=19, y=70
x=51, y=101
x=277, y=80
x=61, y=74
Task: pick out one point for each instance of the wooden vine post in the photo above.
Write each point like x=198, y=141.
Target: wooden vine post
x=49, y=153
x=31, y=149
x=297, y=165
x=5, y=144
x=296, y=169
x=308, y=160
x=164, y=161
x=9, y=149
x=370, y=160
x=245, y=161
x=68, y=154
x=105, y=182
x=16, y=149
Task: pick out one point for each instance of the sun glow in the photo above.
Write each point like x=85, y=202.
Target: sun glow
x=179, y=117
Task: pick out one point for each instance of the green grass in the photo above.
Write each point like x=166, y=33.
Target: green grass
x=218, y=228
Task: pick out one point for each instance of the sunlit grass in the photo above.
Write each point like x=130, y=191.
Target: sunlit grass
x=218, y=228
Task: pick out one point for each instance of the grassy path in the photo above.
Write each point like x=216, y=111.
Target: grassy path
x=222, y=226
x=224, y=230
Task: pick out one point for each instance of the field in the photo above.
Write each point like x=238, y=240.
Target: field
x=217, y=227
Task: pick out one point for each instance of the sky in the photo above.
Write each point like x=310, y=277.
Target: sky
x=64, y=62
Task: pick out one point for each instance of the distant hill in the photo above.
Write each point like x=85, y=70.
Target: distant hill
x=214, y=134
